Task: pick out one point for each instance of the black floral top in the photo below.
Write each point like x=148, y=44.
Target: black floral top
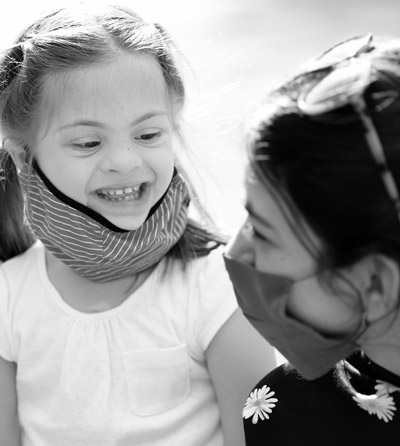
x=355, y=404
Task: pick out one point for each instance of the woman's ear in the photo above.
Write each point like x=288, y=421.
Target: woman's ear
x=378, y=279
x=16, y=151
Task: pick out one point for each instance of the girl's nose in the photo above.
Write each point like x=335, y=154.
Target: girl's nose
x=121, y=158
x=240, y=247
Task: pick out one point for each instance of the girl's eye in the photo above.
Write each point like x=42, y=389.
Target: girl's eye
x=149, y=136
x=86, y=145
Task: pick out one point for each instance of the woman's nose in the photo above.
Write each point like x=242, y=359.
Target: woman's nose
x=240, y=247
x=122, y=158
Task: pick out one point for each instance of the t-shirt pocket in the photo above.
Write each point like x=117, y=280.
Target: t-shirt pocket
x=157, y=379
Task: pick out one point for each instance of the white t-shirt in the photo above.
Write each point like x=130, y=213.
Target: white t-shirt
x=134, y=375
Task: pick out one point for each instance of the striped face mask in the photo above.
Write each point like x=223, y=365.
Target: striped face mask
x=91, y=245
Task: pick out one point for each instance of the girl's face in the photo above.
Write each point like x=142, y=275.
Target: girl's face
x=106, y=137
x=268, y=243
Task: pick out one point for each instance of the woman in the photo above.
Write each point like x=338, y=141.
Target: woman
x=316, y=266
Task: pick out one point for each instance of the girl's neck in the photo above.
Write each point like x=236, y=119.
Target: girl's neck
x=87, y=296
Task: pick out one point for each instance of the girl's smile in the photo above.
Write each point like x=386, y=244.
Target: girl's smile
x=123, y=194
x=119, y=200
x=106, y=137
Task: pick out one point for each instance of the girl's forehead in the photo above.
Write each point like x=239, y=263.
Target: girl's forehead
x=128, y=83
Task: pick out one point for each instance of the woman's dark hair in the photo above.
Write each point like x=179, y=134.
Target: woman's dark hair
x=324, y=165
x=69, y=38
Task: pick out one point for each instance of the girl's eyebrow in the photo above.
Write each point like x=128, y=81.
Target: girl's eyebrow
x=257, y=218
x=91, y=123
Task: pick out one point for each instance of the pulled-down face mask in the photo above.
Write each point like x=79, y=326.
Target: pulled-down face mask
x=92, y=246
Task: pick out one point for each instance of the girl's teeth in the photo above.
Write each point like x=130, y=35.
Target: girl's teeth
x=127, y=190
x=128, y=193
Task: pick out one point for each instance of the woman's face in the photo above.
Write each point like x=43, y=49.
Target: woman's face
x=268, y=242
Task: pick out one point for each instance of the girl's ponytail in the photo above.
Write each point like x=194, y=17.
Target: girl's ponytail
x=15, y=236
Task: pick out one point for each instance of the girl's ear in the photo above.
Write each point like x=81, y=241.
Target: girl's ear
x=378, y=278
x=17, y=153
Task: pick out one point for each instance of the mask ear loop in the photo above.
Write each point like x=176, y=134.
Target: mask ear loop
x=392, y=316
x=363, y=324
x=361, y=332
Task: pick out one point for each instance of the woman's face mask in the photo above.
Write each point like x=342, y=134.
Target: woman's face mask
x=310, y=325
x=264, y=299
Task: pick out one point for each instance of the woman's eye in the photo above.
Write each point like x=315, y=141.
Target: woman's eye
x=258, y=236
x=253, y=234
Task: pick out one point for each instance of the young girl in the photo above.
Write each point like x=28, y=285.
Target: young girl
x=118, y=324
x=317, y=268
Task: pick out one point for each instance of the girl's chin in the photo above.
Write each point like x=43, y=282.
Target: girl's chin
x=128, y=223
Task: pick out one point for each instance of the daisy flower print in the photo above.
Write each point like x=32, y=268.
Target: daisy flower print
x=383, y=387
x=259, y=404
x=380, y=405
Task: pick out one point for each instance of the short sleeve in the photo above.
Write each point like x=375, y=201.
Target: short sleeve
x=6, y=351
x=212, y=303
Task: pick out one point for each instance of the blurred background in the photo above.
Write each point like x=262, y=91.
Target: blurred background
x=234, y=50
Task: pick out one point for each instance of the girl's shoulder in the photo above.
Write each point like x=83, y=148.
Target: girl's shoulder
x=18, y=267
x=213, y=259
x=27, y=257
x=204, y=295
x=207, y=267
x=203, y=280
x=19, y=280
x=209, y=282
